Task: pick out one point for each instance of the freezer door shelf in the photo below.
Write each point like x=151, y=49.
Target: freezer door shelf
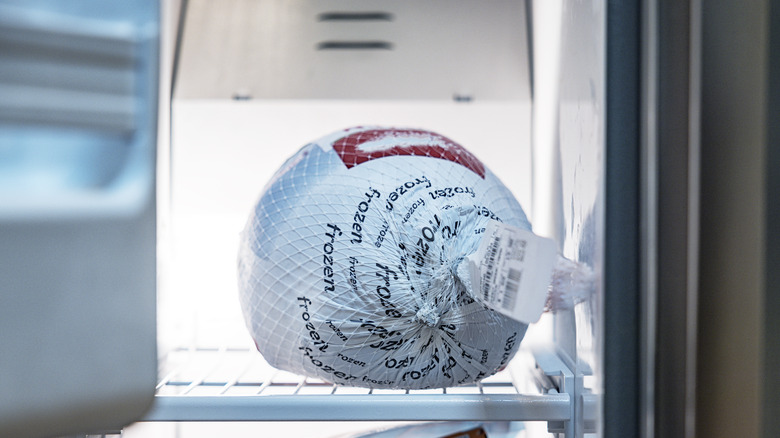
x=238, y=385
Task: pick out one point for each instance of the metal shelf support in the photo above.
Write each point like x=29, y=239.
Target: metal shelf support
x=375, y=407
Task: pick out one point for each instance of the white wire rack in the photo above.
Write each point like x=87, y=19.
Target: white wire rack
x=233, y=384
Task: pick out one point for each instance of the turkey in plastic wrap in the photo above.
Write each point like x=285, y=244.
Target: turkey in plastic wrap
x=351, y=264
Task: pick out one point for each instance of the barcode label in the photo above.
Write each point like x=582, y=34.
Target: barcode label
x=510, y=271
x=490, y=266
x=511, y=289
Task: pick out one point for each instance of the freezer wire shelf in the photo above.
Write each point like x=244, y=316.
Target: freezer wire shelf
x=236, y=384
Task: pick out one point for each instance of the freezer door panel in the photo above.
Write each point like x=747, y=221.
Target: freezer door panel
x=78, y=115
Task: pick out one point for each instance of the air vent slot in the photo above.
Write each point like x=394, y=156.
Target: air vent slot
x=355, y=16
x=355, y=45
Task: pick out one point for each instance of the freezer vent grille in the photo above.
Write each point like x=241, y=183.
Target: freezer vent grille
x=355, y=16
x=349, y=18
x=364, y=50
x=354, y=45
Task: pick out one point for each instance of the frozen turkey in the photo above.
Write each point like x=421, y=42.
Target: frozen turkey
x=351, y=265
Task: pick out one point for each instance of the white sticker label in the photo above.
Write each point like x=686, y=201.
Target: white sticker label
x=511, y=271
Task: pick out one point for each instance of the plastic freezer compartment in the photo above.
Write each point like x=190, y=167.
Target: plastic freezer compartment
x=78, y=113
x=249, y=93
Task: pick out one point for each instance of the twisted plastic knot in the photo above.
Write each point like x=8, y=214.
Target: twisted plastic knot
x=428, y=315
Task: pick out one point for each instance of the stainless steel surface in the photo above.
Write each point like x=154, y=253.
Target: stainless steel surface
x=648, y=209
x=677, y=216
x=694, y=217
x=738, y=128
x=355, y=49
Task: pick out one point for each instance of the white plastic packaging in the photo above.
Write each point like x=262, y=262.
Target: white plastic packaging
x=351, y=264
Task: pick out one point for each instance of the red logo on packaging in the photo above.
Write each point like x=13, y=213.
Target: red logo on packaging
x=367, y=145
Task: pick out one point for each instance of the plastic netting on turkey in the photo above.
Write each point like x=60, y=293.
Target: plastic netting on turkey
x=351, y=263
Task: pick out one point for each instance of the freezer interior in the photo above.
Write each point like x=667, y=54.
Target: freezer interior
x=251, y=90
x=244, y=84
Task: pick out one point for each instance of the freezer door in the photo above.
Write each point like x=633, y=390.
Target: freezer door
x=78, y=99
